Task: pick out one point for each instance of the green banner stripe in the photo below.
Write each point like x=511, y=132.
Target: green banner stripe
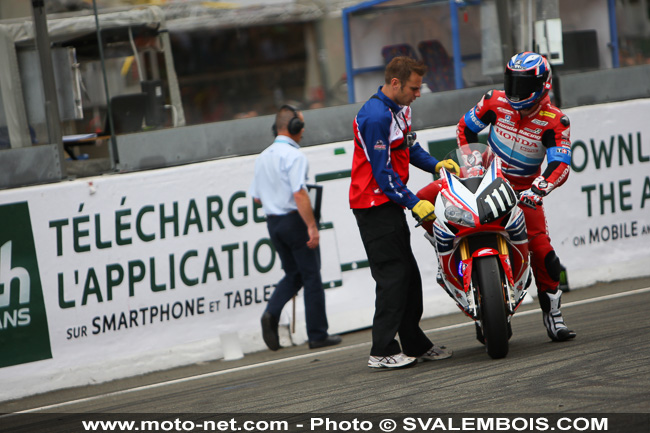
x=332, y=284
x=354, y=265
x=333, y=175
x=326, y=226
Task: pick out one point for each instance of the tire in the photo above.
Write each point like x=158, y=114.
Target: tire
x=479, y=333
x=494, y=320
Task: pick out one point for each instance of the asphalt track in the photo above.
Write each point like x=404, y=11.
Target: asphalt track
x=605, y=370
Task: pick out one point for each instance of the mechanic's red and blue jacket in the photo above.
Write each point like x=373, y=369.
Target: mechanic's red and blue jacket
x=380, y=163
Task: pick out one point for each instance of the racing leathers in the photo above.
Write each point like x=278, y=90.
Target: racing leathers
x=523, y=142
x=378, y=195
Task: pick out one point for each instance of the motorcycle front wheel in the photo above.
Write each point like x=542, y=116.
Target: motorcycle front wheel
x=492, y=313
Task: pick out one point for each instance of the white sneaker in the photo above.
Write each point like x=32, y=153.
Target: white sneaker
x=393, y=361
x=436, y=353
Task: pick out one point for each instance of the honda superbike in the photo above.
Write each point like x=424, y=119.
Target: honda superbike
x=480, y=239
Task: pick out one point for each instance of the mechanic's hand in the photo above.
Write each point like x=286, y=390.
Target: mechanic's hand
x=423, y=211
x=530, y=198
x=450, y=165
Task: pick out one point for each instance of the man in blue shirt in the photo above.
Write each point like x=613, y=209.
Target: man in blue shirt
x=279, y=185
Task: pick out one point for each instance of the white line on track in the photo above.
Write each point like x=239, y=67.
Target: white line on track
x=305, y=356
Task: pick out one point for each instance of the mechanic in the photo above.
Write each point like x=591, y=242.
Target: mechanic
x=384, y=148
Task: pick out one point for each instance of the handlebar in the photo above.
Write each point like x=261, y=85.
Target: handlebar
x=525, y=203
x=421, y=220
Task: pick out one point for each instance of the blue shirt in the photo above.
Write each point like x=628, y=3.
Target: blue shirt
x=280, y=171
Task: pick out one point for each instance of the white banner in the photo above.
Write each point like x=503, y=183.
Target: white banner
x=599, y=219
x=120, y=275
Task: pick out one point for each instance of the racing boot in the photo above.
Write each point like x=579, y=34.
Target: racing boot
x=552, y=316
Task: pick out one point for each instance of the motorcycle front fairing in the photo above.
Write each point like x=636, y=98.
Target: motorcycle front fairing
x=477, y=217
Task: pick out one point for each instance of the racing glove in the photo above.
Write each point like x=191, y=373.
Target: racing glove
x=423, y=211
x=531, y=197
x=450, y=165
x=541, y=186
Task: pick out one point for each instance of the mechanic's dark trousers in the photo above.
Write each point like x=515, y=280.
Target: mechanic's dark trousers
x=301, y=266
x=398, y=303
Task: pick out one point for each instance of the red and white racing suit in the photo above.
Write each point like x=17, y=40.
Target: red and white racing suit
x=523, y=143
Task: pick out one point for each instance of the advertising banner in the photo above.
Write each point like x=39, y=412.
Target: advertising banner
x=24, y=335
x=599, y=219
x=108, y=277
x=131, y=272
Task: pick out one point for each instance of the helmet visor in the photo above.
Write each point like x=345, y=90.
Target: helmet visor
x=520, y=87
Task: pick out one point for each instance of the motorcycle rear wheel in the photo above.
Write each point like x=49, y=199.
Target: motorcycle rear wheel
x=492, y=313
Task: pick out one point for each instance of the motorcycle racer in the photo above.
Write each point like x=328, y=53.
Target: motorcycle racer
x=525, y=129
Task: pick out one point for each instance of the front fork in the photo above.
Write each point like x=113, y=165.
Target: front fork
x=504, y=256
x=470, y=290
x=504, y=259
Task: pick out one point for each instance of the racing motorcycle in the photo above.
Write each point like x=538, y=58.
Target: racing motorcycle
x=480, y=239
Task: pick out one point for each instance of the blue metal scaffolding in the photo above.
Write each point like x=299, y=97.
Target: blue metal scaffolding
x=454, y=6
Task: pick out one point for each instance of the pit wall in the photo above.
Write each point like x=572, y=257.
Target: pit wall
x=109, y=277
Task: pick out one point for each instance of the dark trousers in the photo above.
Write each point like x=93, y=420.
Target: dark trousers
x=301, y=266
x=398, y=303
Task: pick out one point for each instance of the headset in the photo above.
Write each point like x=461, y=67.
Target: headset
x=295, y=124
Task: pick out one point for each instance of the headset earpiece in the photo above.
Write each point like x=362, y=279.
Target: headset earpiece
x=295, y=124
